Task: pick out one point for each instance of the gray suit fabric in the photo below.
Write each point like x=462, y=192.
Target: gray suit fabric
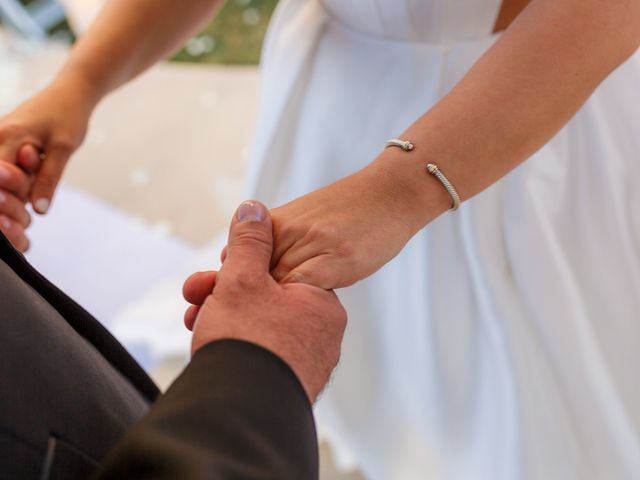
x=63, y=404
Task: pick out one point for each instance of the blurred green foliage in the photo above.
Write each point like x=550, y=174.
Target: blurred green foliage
x=234, y=37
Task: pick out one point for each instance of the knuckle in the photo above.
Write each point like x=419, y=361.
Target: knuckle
x=331, y=238
x=286, y=229
x=251, y=238
x=339, y=314
x=322, y=233
x=243, y=281
x=342, y=320
x=15, y=179
x=318, y=307
x=9, y=130
x=8, y=180
x=333, y=317
x=347, y=251
x=336, y=316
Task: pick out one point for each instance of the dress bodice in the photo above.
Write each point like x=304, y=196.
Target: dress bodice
x=429, y=21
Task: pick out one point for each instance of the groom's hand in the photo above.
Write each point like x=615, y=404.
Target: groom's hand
x=301, y=324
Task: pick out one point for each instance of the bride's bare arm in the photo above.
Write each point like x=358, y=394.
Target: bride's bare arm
x=129, y=36
x=514, y=99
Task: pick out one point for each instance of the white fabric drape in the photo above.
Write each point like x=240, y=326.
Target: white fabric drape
x=503, y=342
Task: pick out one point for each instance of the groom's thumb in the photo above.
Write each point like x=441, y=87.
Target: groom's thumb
x=250, y=242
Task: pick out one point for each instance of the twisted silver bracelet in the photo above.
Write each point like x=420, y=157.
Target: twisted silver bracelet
x=403, y=144
x=455, y=198
x=432, y=169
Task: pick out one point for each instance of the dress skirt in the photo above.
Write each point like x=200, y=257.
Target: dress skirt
x=504, y=341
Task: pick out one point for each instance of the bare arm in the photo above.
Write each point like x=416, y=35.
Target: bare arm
x=514, y=99
x=128, y=37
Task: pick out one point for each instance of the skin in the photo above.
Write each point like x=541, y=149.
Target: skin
x=508, y=12
x=514, y=99
x=128, y=37
x=301, y=324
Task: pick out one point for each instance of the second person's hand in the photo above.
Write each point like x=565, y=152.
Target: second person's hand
x=42, y=133
x=342, y=233
x=15, y=184
x=301, y=324
x=36, y=141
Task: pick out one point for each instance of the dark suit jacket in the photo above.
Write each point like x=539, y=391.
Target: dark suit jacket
x=74, y=404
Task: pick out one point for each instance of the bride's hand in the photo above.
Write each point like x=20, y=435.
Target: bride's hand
x=342, y=233
x=53, y=122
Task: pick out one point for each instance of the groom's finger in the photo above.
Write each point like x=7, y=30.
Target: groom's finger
x=190, y=316
x=250, y=241
x=198, y=287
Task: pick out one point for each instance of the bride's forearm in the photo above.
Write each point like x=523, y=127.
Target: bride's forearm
x=126, y=38
x=516, y=98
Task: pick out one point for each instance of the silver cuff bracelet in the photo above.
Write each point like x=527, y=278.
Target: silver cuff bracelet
x=432, y=169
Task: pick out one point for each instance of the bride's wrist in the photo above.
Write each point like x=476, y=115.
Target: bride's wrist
x=86, y=92
x=404, y=182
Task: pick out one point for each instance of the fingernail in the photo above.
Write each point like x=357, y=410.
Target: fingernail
x=251, y=212
x=41, y=205
x=5, y=174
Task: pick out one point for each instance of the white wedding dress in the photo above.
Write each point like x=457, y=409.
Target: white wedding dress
x=504, y=341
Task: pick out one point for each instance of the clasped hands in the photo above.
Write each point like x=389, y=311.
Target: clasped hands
x=301, y=324
x=279, y=268
x=330, y=238
x=280, y=295
x=274, y=287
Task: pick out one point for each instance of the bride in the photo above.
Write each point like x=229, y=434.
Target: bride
x=502, y=340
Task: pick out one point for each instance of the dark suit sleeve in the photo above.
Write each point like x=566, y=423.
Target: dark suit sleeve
x=236, y=412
